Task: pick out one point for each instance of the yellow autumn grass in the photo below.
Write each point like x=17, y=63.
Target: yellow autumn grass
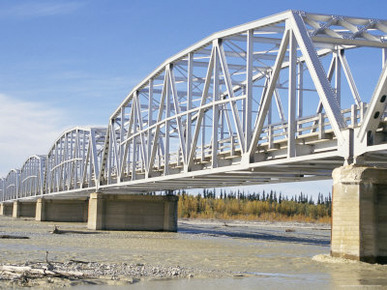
x=190, y=206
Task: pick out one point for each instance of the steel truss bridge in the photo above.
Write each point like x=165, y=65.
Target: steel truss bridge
x=285, y=98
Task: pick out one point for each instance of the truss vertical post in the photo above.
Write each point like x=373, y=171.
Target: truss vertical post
x=150, y=123
x=300, y=92
x=270, y=127
x=94, y=156
x=122, y=135
x=203, y=139
x=109, y=164
x=292, y=95
x=134, y=155
x=17, y=184
x=337, y=76
x=353, y=115
x=90, y=167
x=188, y=133
x=215, y=111
x=167, y=122
x=249, y=87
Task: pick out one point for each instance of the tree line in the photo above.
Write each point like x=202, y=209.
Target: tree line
x=254, y=206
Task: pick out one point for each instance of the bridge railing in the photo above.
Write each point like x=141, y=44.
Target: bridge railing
x=313, y=125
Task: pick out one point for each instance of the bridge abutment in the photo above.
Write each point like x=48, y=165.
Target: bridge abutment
x=132, y=212
x=23, y=209
x=6, y=209
x=61, y=210
x=359, y=213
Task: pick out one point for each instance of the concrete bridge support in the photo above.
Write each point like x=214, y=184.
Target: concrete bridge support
x=132, y=212
x=61, y=210
x=23, y=209
x=359, y=213
x=6, y=208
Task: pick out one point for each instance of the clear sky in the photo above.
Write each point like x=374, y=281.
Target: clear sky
x=68, y=63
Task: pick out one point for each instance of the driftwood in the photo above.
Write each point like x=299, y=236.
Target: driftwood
x=13, y=237
x=13, y=270
x=79, y=261
x=56, y=230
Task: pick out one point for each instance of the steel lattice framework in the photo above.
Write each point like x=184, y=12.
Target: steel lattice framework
x=281, y=99
x=74, y=159
x=11, y=185
x=2, y=189
x=31, y=180
x=205, y=117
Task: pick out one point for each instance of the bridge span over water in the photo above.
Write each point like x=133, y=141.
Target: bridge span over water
x=285, y=98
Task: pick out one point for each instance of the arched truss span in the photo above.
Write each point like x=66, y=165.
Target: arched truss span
x=32, y=178
x=2, y=190
x=274, y=100
x=11, y=185
x=74, y=160
x=281, y=99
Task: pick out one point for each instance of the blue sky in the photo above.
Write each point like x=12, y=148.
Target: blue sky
x=68, y=63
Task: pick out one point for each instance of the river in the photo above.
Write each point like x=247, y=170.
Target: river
x=226, y=255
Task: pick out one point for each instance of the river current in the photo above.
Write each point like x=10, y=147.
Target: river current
x=223, y=255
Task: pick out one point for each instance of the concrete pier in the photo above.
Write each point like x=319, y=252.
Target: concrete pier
x=359, y=214
x=23, y=209
x=6, y=208
x=61, y=210
x=132, y=212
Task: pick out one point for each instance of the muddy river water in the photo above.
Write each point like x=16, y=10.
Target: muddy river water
x=221, y=255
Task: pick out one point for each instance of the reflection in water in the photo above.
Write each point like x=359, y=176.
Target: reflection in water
x=221, y=255
x=347, y=273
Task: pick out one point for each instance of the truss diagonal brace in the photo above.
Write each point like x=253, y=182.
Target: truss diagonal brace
x=318, y=75
x=266, y=101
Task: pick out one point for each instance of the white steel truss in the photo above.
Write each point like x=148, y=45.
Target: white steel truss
x=2, y=189
x=281, y=99
x=74, y=159
x=206, y=117
x=11, y=185
x=31, y=180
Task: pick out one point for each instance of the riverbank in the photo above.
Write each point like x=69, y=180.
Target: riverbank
x=205, y=254
x=76, y=256
x=254, y=207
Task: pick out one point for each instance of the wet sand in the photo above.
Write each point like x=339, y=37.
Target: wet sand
x=205, y=254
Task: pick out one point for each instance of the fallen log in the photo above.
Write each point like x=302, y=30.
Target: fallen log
x=13, y=237
x=41, y=271
x=79, y=261
x=15, y=268
x=15, y=275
